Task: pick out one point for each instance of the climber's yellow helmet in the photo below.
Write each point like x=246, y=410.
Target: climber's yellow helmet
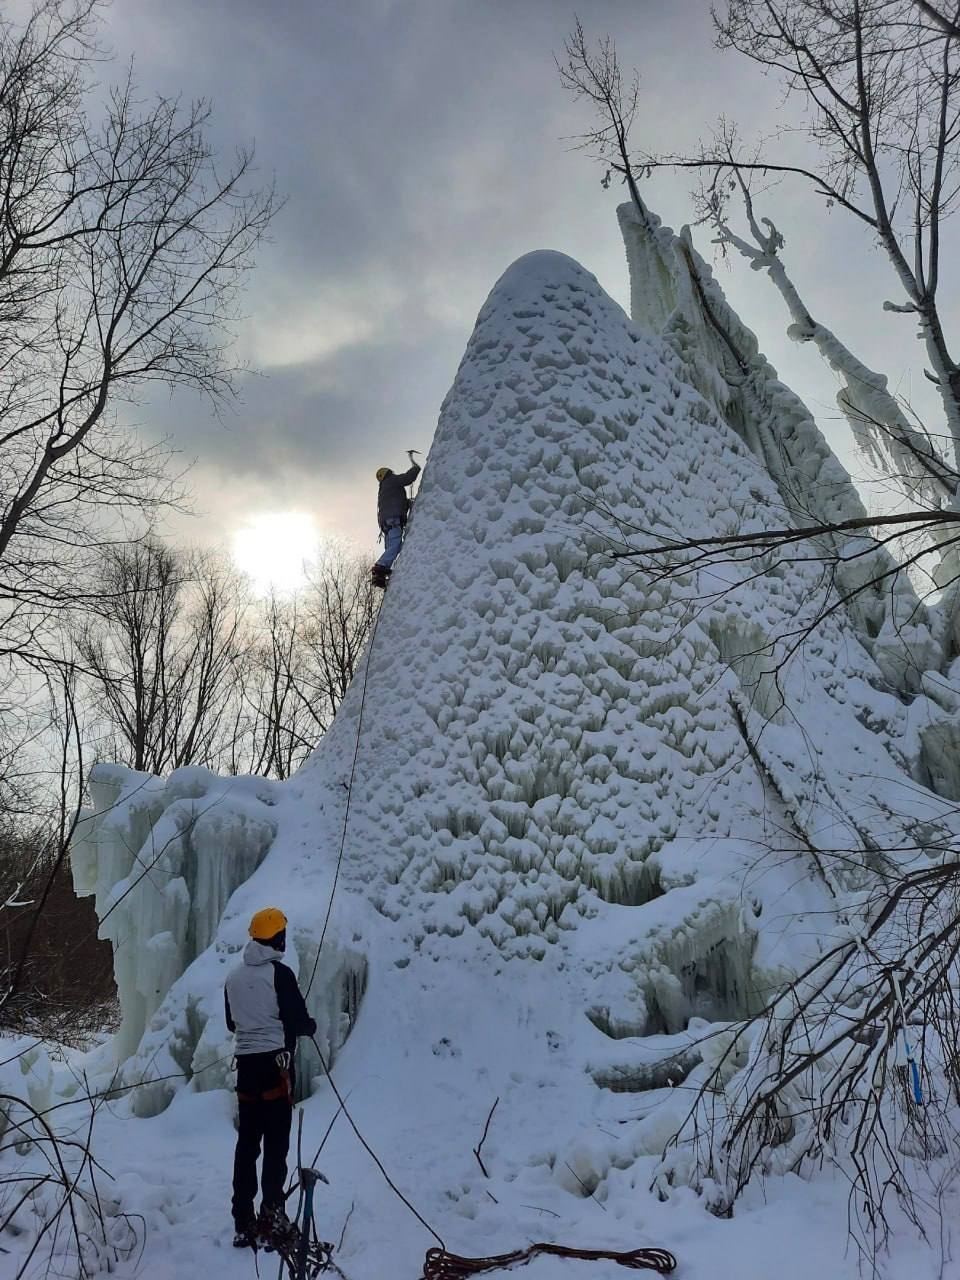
x=266, y=924
x=382, y=471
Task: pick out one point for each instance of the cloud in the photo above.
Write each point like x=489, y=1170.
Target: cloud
x=288, y=328
x=420, y=148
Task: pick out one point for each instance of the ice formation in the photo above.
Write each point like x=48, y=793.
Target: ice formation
x=583, y=802
x=673, y=291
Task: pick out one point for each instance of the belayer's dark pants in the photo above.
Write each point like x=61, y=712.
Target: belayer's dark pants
x=262, y=1121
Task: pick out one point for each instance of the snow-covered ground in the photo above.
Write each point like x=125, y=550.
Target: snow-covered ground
x=581, y=808
x=423, y=1107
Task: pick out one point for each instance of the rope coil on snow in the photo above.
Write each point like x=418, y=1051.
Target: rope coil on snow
x=441, y=1265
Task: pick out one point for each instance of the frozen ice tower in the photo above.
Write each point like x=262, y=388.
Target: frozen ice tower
x=584, y=801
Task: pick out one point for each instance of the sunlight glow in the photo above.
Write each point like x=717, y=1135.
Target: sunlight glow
x=273, y=549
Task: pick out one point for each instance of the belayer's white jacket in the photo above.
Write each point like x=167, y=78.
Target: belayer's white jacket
x=263, y=1004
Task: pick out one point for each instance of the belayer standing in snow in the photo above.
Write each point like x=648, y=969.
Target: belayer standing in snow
x=393, y=507
x=266, y=1012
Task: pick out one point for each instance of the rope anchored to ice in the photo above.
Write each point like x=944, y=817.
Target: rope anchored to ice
x=441, y=1265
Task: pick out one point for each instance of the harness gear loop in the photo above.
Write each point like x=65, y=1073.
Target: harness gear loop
x=283, y=1090
x=284, y=1061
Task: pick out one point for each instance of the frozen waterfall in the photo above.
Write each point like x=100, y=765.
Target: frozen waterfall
x=586, y=804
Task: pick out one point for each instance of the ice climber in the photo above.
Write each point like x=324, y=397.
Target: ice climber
x=393, y=507
x=266, y=1013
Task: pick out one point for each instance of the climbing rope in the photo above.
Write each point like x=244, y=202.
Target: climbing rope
x=315, y=1255
x=349, y=786
x=346, y=811
x=440, y=1265
x=370, y=1151
x=321, y=1254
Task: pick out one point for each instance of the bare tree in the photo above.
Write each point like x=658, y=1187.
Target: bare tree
x=160, y=655
x=123, y=242
x=33, y=875
x=846, y=1060
x=278, y=736
x=939, y=17
x=594, y=75
x=178, y=666
x=878, y=88
x=339, y=606
x=908, y=452
x=879, y=94
x=306, y=654
x=55, y=1204
x=885, y=429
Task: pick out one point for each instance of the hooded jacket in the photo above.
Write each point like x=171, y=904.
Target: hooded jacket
x=263, y=1004
x=392, y=500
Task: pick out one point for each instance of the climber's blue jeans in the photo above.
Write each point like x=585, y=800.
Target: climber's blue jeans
x=393, y=538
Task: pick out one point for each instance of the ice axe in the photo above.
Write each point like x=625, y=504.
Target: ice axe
x=410, y=453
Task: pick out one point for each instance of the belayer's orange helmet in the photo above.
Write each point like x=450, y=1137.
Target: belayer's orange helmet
x=266, y=924
x=382, y=471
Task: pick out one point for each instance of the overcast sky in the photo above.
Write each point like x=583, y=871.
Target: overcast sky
x=420, y=147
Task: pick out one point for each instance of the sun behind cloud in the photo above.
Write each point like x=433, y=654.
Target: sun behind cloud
x=274, y=548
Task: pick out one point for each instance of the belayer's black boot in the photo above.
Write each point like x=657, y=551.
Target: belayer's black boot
x=276, y=1231
x=245, y=1236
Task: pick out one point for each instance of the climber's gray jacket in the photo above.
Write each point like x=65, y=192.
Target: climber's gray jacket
x=263, y=1003
x=392, y=500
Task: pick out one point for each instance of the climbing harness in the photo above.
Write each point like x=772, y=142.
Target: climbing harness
x=440, y=1265
x=282, y=1090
